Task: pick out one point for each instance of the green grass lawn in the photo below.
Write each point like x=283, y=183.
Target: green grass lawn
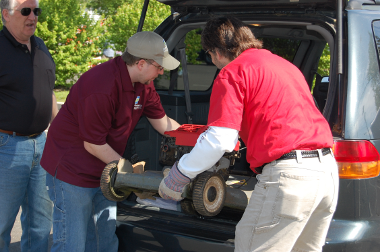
x=61, y=95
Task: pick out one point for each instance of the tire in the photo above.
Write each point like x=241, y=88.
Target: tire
x=107, y=180
x=209, y=193
x=224, y=173
x=187, y=207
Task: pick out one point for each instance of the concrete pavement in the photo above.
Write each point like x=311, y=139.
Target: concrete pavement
x=16, y=236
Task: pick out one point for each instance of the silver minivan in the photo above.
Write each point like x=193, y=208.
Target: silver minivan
x=336, y=45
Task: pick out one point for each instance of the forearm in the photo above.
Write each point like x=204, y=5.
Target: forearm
x=54, y=109
x=172, y=124
x=164, y=124
x=103, y=152
x=210, y=147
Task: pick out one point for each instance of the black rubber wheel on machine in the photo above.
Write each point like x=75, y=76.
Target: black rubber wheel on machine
x=209, y=193
x=187, y=207
x=107, y=180
x=225, y=173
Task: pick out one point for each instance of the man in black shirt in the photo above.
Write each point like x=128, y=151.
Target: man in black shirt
x=27, y=105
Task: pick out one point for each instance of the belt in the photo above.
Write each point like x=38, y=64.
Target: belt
x=19, y=134
x=305, y=154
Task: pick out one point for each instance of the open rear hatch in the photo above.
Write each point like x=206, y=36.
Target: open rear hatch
x=267, y=6
x=276, y=4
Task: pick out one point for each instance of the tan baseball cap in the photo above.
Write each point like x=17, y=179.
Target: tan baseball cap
x=150, y=45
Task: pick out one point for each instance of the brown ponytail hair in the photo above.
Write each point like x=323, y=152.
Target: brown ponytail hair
x=229, y=35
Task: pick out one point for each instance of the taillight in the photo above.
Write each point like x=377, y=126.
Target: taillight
x=356, y=159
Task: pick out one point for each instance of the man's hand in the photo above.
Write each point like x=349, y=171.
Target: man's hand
x=171, y=187
x=124, y=166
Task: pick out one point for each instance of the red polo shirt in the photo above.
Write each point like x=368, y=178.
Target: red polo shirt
x=102, y=107
x=267, y=99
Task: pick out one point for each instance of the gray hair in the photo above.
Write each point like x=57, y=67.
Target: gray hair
x=8, y=5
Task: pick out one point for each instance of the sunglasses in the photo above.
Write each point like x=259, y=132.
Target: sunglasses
x=26, y=11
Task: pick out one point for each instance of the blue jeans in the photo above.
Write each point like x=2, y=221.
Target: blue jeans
x=23, y=183
x=83, y=219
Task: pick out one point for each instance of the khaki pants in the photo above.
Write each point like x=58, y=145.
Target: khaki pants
x=291, y=207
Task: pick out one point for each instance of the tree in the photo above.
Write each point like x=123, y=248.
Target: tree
x=124, y=23
x=74, y=38
x=106, y=7
x=194, y=47
x=324, y=62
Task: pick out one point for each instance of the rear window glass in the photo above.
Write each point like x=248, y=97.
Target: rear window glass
x=376, y=32
x=201, y=70
x=285, y=48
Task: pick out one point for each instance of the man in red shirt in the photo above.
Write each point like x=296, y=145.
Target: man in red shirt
x=265, y=99
x=91, y=130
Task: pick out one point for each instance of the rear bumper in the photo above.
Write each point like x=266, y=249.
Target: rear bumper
x=150, y=229
x=353, y=236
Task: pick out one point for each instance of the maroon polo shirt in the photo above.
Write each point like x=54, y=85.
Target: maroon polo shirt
x=102, y=107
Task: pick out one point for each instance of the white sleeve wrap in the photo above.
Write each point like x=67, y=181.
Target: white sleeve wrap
x=210, y=147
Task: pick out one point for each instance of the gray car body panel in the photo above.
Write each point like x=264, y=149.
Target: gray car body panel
x=363, y=78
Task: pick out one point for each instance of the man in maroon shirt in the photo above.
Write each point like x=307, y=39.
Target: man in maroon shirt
x=91, y=130
x=265, y=100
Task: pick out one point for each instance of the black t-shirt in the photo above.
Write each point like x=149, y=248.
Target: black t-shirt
x=26, y=85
